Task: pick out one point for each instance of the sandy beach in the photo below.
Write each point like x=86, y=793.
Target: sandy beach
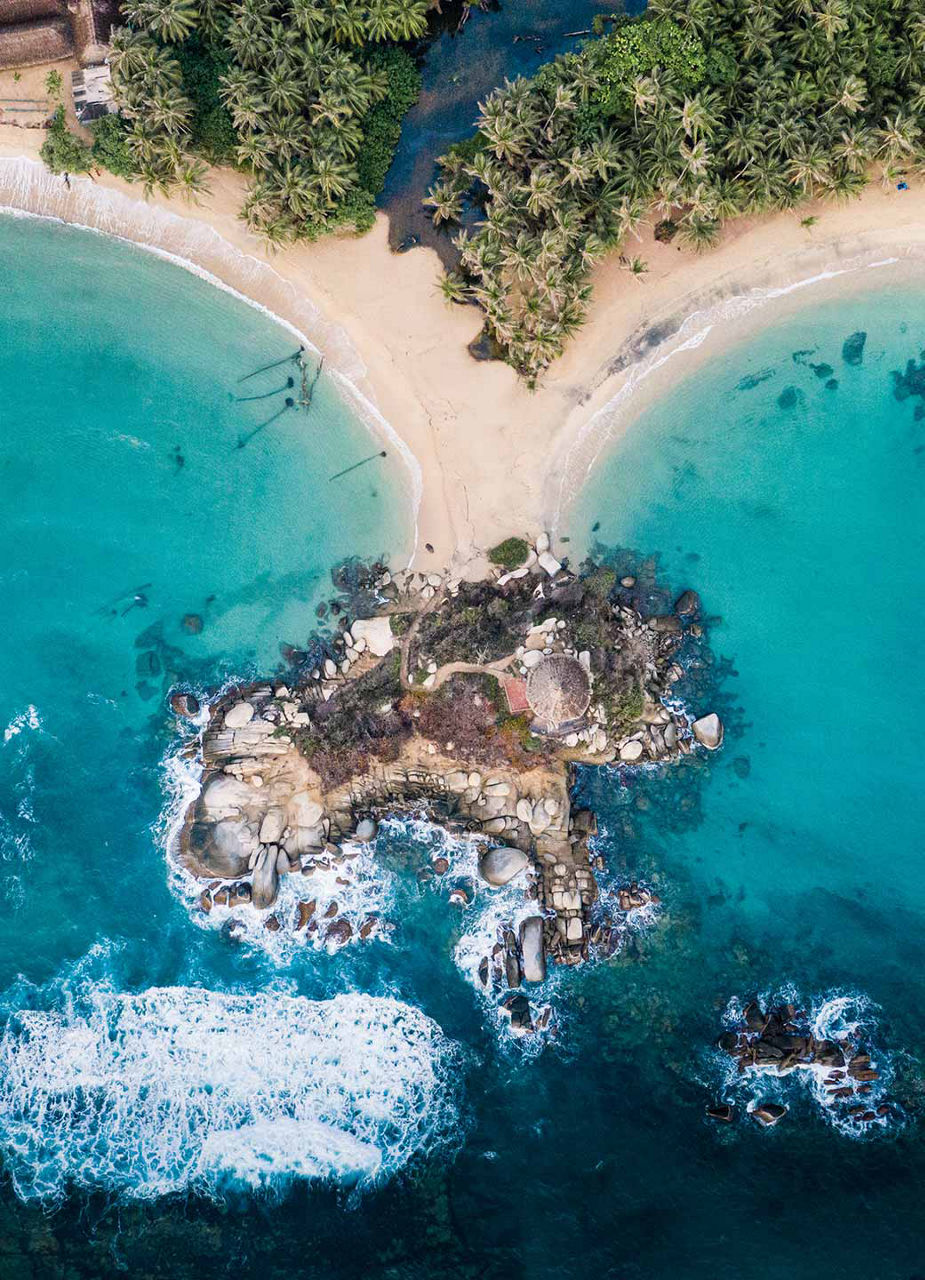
x=487, y=456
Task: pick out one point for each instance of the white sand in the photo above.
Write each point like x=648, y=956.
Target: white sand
x=491, y=453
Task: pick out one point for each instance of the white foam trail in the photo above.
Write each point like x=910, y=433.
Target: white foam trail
x=28, y=719
x=592, y=439
x=27, y=189
x=491, y=909
x=178, y=1089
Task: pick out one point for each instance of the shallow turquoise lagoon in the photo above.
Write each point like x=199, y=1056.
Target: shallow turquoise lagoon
x=784, y=483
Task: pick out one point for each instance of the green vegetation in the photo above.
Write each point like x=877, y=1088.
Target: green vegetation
x=62, y=151
x=54, y=84
x=510, y=553
x=623, y=706
x=307, y=96
x=700, y=111
x=111, y=149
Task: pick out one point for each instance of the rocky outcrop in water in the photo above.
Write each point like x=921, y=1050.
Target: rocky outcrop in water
x=426, y=707
x=780, y=1040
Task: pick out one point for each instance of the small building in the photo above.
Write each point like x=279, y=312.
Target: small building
x=91, y=89
x=33, y=32
x=559, y=694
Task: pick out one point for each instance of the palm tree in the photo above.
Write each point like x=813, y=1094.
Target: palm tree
x=446, y=202
x=192, y=181
x=637, y=267
x=453, y=287
x=171, y=20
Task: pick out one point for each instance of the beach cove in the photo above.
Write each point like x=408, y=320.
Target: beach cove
x=380, y=320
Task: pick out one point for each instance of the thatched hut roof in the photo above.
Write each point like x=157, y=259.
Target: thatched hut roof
x=30, y=43
x=559, y=691
x=13, y=11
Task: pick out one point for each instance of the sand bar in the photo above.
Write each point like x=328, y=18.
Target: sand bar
x=487, y=456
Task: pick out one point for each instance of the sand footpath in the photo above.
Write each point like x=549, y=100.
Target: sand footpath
x=490, y=457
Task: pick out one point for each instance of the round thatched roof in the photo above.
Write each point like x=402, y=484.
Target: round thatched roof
x=558, y=690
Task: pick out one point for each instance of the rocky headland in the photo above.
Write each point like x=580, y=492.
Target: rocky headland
x=470, y=704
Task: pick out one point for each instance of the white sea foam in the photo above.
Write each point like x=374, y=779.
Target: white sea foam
x=28, y=719
x=483, y=920
x=179, y=1089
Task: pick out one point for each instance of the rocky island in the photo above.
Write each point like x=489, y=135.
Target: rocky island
x=469, y=703
x=782, y=1039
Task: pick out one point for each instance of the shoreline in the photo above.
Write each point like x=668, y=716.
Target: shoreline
x=486, y=457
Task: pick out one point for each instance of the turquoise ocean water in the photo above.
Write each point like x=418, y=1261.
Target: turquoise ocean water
x=790, y=860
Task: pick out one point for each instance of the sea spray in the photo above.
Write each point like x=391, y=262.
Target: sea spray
x=850, y=1020
x=180, y=1089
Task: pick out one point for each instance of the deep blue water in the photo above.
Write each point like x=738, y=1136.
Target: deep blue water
x=801, y=528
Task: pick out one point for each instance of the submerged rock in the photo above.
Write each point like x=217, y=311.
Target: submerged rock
x=852, y=351
x=769, y=1114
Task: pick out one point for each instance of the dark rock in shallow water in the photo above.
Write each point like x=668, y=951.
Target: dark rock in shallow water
x=832, y=384
x=184, y=704
x=688, y=602
x=192, y=623
x=148, y=664
x=769, y=1113
x=519, y=1008
x=822, y=371
x=852, y=351
x=742, y=766
x=721, y=1111
x=755, y=1019
x=790, y=398
x=339, y=932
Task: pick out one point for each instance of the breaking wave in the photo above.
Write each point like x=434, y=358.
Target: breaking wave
x=180, y=1089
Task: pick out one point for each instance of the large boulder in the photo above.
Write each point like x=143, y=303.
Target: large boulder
x=272, y=826
x=225, y=796
x=377, y=632
x=304, y=811
x=237, y=716
x=688, y=602
x=532, y=949
x=708, y=731
x=219, y=849
x=498, y=866
x=265, y=885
